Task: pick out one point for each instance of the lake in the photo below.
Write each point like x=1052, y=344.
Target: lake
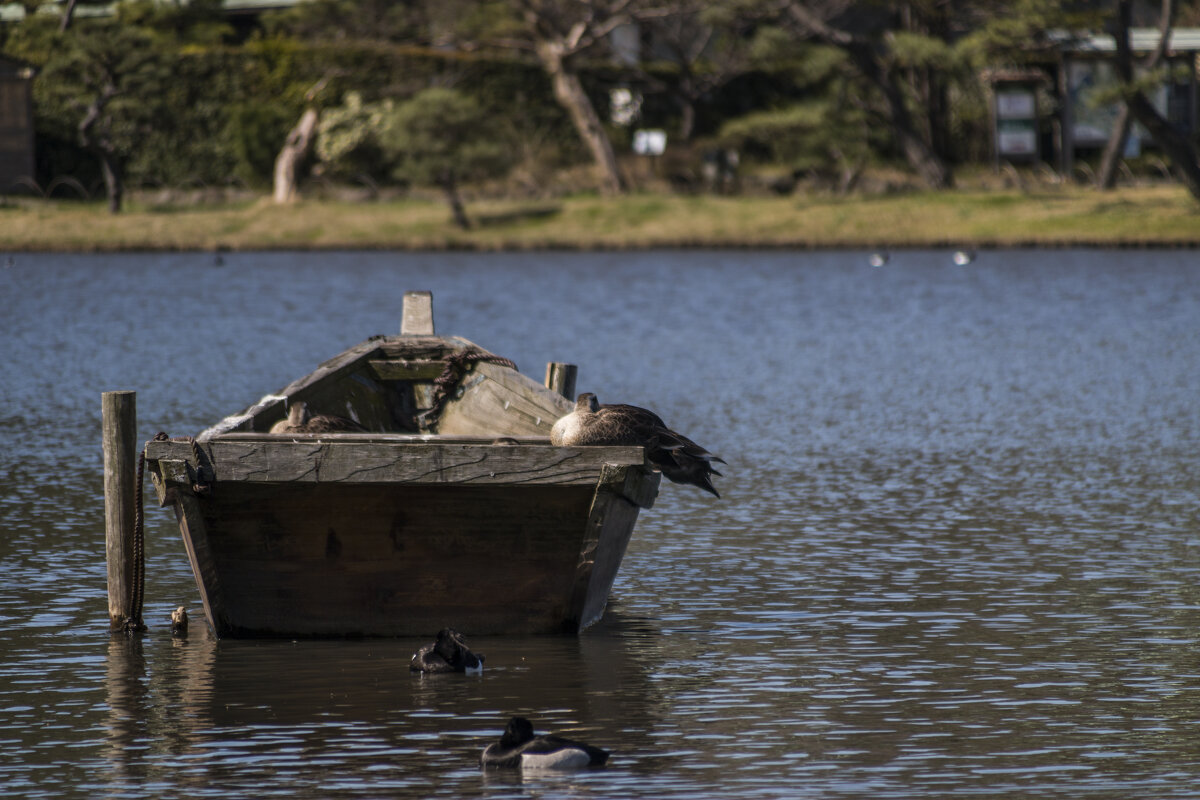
x=957, y=552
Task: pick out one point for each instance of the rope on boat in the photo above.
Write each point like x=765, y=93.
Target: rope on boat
x=137, y=589
x=457, y=365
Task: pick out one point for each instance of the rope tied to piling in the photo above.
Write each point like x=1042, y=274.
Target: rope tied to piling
x=137, y=589
x=457, y=365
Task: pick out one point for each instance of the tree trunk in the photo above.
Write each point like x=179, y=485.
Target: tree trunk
x=918, y=151
x=1114, y=150
x=568, y=91
x=687, y=118
x=1178, y=147
x=932, y=169
x=114, y=184
x=68, y=16
x=295, y=148
x=450, y=187
x=111, y=166
x=1115, y=147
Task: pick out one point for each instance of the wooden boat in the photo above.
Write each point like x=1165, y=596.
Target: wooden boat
x=452, y=510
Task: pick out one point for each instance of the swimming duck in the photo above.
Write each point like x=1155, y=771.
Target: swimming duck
x=675, y=455
x=299, y=420
x=518, y=747
x=963, y=257
x=448, y=654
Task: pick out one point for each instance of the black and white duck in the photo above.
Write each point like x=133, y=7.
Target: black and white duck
x=675, y=455
x=448, y=654
x=301, y=420
x=518, y=747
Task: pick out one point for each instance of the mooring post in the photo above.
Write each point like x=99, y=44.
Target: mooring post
x=418, y=314
x=561, y=378
x=120, y=474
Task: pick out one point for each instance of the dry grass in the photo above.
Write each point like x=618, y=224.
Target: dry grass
x=1156, y=215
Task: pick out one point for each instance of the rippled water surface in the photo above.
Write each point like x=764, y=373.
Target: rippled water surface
x=957, y=552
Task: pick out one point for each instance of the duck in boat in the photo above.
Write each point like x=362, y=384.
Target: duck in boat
x=518, y=747
x=448, y=654
x=301, y=420
x=673, y=454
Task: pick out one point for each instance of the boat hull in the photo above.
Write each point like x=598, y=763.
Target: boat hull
x=371, y=538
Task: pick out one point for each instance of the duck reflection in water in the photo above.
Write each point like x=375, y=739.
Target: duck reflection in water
x=518, y=747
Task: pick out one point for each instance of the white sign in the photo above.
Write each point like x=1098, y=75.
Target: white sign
x=1017, y=143
x=649, y=142
x=1015, y=104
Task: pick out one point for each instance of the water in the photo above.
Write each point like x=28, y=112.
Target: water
x=957, y=553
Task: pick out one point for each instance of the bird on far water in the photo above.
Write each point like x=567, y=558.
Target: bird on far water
x=299, y=420
x=673, y=454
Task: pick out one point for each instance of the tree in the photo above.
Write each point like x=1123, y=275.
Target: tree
x=862, y=32
x=1114, y=149
x=1181, y=150
x=297, y=144
x=559, y=33
x=341, y=20
x=441, y=137
x=708, y=43
x=101, y=82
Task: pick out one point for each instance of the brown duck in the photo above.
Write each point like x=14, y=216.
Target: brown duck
x=300, y=420
x=675, y=455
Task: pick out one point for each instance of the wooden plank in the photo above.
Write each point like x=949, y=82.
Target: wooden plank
x=498, y=401
x=417, y=317
x=322, y=381
x=315, y=460
x=119, y=435
x=166, y=474
x=560, y=379
x=386, y=438
x=609, y=528
x=406, y=561
x=271, y=407
x=194, y=531
x=399, y=369
x=433, y=348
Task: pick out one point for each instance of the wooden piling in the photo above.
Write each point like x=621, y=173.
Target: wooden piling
x=418, y=314
x=119, y=423
x=561, y=378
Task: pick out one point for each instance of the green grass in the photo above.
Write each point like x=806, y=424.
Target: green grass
x=1155, y=215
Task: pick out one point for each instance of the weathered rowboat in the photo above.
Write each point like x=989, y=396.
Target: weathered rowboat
x=453, y=510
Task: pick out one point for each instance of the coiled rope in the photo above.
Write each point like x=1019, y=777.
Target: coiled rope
x=456, y=367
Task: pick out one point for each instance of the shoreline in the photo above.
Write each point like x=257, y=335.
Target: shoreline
x=606, y=248
x=1161, y=217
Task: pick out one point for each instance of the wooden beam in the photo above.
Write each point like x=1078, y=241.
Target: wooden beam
x=119, y=434
x=609, y=528
x=321, y=459
x=560, y=378
x=418, y=314
x=400, y=369
x=497, y=401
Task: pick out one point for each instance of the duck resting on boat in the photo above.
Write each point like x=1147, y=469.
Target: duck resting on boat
x=673, y=454
x=301, y=420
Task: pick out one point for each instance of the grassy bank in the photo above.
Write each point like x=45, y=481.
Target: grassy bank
x=1135, y=216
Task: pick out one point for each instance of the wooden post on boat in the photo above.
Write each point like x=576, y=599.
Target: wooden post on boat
x=561, y=378
x=119, y=432
x=418, y=314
